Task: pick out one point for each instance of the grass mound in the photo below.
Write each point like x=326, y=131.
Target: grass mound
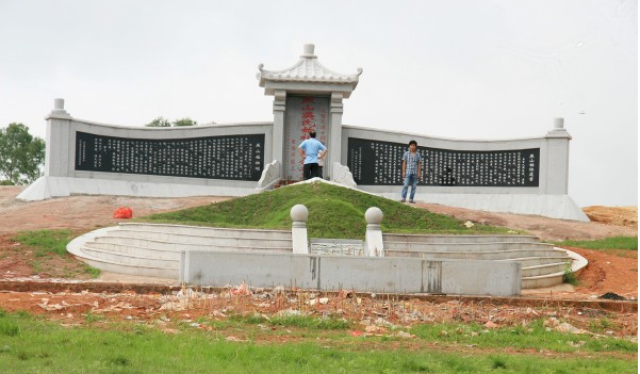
x=334, y=212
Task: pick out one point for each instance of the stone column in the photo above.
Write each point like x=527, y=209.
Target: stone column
x=335, y=131
x=373, y=245
x=279, y=106
x=58, y=149
x=557, y=163
x=299, y=214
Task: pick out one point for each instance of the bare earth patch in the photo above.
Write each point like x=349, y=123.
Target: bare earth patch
x=71, y=300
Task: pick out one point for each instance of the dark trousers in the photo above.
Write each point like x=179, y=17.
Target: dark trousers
x=310, y=170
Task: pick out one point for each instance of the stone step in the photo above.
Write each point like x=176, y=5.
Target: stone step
x=131, y=258
x=542, y=281
x=480, y=255
x=164, y=250
x=437, y=238
x=536, y=261
x=208, y=231
x=129, y=269
x=545, y=269
x=148, y=239
x=464, y=247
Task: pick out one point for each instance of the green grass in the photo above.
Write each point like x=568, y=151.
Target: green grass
x=298, y=321
x=534, y=335
x=47, y=244
x=37, y=346
x=617, y=242
x=334, y=212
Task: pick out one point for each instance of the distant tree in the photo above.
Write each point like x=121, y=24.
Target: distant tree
x=159, y=122
x=184, y=122
x=21, y=155
x=163, y=122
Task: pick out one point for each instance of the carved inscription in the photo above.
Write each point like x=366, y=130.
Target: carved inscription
x=236, y=157
x=380, y=163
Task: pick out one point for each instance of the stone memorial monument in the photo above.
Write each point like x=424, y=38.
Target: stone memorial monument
x=526, y=176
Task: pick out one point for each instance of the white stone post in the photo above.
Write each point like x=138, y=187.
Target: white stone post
x=57, y=141
x=557, y=166
x=299, y=214
x=373, y=245
x=279, y=106
x=335, y=131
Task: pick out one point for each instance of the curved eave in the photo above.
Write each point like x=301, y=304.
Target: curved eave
x=307, y=70
x=264, y=79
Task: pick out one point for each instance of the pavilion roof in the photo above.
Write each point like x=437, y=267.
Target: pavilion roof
x=307, y=69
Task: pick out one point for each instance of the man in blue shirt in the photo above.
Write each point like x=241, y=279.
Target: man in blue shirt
x=312, y=151
x=411, y=167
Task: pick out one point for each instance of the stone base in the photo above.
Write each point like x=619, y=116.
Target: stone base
x=48, y=187
x=553, y=206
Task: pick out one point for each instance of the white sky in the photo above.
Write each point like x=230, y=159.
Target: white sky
x=467, y=69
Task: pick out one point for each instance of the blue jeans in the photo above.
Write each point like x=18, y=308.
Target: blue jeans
x=409, y=179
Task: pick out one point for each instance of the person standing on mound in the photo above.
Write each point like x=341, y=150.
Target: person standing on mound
x=311, y=150
x=411, y=167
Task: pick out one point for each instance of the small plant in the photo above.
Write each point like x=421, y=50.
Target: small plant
x=310, y=322
x=120, y=360
x=90, y=318
x=93, y=272
x=498, y=363
x=8, y=328
x=569, y=276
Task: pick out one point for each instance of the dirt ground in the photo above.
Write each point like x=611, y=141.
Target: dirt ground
x=117, y=297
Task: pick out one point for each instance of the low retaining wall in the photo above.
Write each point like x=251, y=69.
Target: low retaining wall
x=361, y=274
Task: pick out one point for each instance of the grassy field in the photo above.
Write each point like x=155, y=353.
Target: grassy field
x=617, y=242
x=50, y=254
x=334, y=212
x=299, y=345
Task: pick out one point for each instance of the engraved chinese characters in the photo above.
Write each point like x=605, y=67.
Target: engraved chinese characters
x=379, y=163
x=304, y=115
x=237, y=157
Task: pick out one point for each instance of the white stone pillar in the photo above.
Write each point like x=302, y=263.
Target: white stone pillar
x=373, y=245
x=557, y=165
x=299, y=214
x=279, y=106
x=335, y=131
x=57, y=151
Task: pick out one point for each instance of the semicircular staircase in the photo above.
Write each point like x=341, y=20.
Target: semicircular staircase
x=155, y=249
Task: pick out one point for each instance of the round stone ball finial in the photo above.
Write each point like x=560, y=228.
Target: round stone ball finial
x=373, y=216
x=299, y=213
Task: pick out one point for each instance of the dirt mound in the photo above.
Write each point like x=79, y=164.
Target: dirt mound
x=617, y=216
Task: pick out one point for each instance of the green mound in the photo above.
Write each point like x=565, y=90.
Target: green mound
x=334, y=212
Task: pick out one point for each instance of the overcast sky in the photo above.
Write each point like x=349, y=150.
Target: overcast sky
x=465, y=69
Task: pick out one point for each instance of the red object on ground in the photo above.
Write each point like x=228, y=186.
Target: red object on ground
x=123, y=213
